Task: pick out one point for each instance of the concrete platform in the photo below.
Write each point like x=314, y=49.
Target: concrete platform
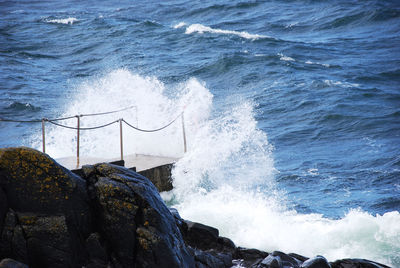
x=140, y=161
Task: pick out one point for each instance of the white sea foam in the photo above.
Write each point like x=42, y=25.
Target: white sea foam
x=179, y=25
x=341, y=84
x=200, y=28
x=291, y=25
x=318, y=63
x=69, y=20
x=285, y=58
x=120, y=89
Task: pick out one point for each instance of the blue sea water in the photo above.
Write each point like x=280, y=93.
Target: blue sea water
x=292, y=108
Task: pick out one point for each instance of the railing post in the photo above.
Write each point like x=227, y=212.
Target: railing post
x=184, y=133
x=43, y=136
x=121, y=139
x=77, y=141
x=136, y=113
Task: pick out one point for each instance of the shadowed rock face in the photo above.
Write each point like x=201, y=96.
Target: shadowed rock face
x=138, y=225
x=44, y=209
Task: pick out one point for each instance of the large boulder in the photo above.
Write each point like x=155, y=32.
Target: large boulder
x=44, y=207
x=137, y=225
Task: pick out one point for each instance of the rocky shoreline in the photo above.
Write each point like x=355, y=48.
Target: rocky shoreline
x=111, y=216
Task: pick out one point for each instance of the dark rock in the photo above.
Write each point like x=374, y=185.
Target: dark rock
x=357, y=263
x=97, y=253
x=48, y=242
x=201, y=236
x=316, y=262
x=224, y=244
x=160, y=177
x=138, y=227
x=46, y=197
x=212, y=259
x=179, y=221
x=279, y=259
x=270, y=262
x=12, y=242
x=298, y=257
x=285, y=259
x=249, y=257
x=10, y=263
x=3, y=208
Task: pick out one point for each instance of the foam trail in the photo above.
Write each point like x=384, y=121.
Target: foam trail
x=179, y=25
x=199, y=28
x=118, y=89
x=69, y=20
x=285, y=58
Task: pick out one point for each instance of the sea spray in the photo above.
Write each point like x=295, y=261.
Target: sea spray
x=152, y=109
x=227, y=180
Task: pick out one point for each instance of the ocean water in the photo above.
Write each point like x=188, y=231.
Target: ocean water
x=291, y=108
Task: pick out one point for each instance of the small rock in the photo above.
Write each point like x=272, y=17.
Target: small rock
x=270, y=262
x=10, y=263
x=249, y=257
x=286, y=260
x=316, y=262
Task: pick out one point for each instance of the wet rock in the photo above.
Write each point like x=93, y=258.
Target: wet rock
x=138, y=227
x=201, y=236
x=270, y=262
x=249, y=257
x=316, y=262
x=226, y=245
x=298, y=257
x=279, y=259
x=10, y=263
x=211, y=259
x=357, y=263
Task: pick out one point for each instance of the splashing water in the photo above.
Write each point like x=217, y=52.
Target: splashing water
x=153, y=109
x=226, y=179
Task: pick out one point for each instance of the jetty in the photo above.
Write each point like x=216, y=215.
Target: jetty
x=139, y=162
x=156, y=168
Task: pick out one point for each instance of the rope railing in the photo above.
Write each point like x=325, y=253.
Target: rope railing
x=82, y=128
x=68, y=117
x=78, y=128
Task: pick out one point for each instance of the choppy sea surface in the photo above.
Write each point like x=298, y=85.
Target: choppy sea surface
x=291, y=108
